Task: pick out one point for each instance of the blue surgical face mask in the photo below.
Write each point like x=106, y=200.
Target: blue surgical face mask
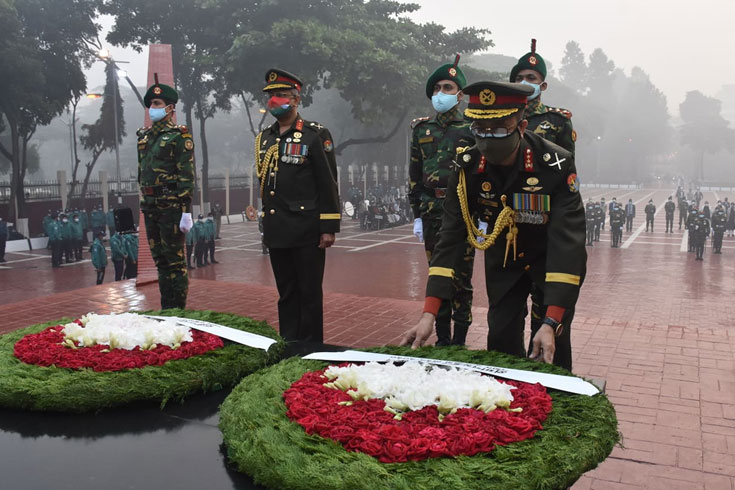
x=536, y=89
x=156, y=113
x=443, y=102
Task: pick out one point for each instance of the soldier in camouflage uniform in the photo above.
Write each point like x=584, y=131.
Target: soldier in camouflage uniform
x=166, y=179
x=433, y=144
x=551, y=123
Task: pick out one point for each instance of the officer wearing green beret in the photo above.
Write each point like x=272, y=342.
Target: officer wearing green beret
x=433, y=144
x=166, y=179
x=551, y=123
x=526, y=189
x=297, y=169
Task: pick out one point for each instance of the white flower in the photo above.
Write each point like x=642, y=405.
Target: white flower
x=414, y=385
x=126, y=331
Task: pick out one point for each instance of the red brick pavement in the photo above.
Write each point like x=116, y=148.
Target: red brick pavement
x=651, y=321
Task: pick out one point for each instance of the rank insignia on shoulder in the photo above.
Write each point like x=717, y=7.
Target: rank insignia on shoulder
x=316, y=125
x=563, y=112
x=418, y=121
x=573, y=183
x=558, y=161
x=547, y=157
x=466, y=158
x=328, y=146
x=183, y=128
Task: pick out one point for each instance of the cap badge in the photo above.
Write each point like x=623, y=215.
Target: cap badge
x=452, y=72
x=157, y=90
x=487, y=97
x=272, y=76
x=532, y=60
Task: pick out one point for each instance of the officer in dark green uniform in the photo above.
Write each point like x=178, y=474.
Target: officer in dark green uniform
x=526, y=188
x=433, y=145
x=551, y=123
x=297, y=170
x=166, y=179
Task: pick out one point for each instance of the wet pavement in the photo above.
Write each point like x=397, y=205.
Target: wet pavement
x=651, y=321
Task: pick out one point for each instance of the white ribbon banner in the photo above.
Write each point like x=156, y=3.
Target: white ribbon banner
x=229, y=333
x=570, y=384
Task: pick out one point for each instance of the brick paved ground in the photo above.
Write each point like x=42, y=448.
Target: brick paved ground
x=651, y=321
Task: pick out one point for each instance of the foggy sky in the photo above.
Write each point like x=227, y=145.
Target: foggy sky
x=682, y=45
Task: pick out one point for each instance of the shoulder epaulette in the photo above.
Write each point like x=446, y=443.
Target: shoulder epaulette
x=418, y=121
x=313, y=125
x=559, y=110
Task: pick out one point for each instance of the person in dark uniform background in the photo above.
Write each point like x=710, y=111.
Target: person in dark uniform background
x=690, y=225
x=433, y=149
x=650, y=211
x=166, y=179
x=4, y=235
x=683, y=212
x=669, y=209
x=719, y=225
x=297, y=170
x=510, y=179
x=604, y=211
x=590, y=217
x=599, y=220
x=701, y=232
x=617, y=220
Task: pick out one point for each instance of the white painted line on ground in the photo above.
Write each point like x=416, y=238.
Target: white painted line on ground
x=684, y=242
x=382, y=243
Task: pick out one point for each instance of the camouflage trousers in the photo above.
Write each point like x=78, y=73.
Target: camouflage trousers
x=459, y=308
x=167, y=248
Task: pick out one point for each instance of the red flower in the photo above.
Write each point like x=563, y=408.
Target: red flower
x=366, y=427
x=45, y=349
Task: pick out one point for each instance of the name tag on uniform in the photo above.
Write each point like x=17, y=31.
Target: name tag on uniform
x=426, y=139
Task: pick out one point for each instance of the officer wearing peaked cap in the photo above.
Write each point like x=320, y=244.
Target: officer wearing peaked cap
x=433, y=144
x=526, y=188
x=551, y=123
x=166, y=180
x=297, y=169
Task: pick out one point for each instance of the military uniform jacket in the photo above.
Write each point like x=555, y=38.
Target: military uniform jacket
x=650, y=209
x=299, y=189
x=551, y=123
x=669, y=208
x=433, y=149
x=617, y=218
x=166, y=166
x=542, y=187
x=719, y=222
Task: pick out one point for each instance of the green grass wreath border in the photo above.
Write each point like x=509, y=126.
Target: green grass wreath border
x=261, y=441
x=30, y=387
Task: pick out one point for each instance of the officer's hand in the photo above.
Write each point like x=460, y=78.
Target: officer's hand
x=420, y=332
x=326, y=240
x=186, y=222
x=483, y=229
x=418, y=229
x=544, y=345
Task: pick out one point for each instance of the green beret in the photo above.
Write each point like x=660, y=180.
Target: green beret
x=450, y=71
x=160, y=91
x=529, y=61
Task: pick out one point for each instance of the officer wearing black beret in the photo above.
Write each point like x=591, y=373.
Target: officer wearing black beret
x=166, y=180
x=297, y=170
x=526, y=189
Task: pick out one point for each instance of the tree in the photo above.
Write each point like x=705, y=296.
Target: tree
x=43, y=46
x=199, y=34
x=704, y=129
x=100, y=136
x=370, y=52
x=573, y=71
